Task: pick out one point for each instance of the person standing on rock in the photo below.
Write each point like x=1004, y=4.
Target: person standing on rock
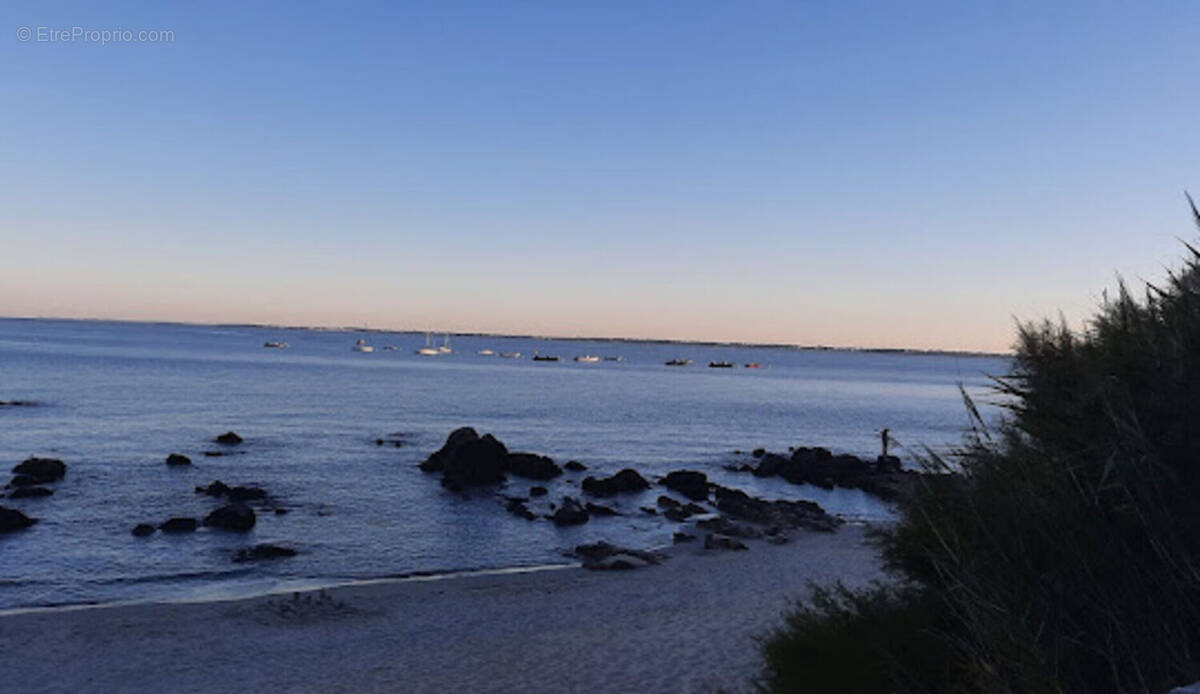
x=883, y=439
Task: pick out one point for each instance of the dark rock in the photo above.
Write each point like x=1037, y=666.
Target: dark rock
x=229, y=438
x=650, y=510
x=598, y=510
x=532, y=466
x=738, y=468
x=602, y=556
x=677, y=538
x=214, y=454
x=887, y=463
x=142, y=530
x=724, y=526
x=246, y=493
x=476, y=462
x=12, y=520
x=676, y=513
x=458, y=437
x=758, y=452
x=693, y=485
x=783, y=514
x=575, y=466
x=30, y=492
x=281, y=511
x=712, y=541
x=570, y=513
x=178, y=525
x=24, y=481
x=263, y=551
x=769, y=465
x=626, y=480
x=237, y=517
x=217, y=488
x=17, y=403
x=665, y=501
x=43, y=470
x=537, y=490
x=178, y=459
x=517, y=508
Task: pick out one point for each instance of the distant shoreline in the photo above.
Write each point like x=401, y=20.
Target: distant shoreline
x=573, y=338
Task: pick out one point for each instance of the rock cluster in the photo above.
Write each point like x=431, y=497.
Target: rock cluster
x=602, y=556
x=627, y=480
x=470, y=460
x=882, y=477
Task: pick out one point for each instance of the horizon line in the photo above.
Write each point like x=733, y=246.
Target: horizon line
x=578, y=338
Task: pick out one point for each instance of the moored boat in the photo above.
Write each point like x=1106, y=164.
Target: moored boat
x=720, y=365
x=587, y=358
x=679, y=362
x=276, y=345
x=362, y=346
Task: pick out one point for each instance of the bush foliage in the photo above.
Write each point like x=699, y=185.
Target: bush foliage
x=1059, y=552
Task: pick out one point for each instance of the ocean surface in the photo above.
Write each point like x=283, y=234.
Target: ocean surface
x=113, y=399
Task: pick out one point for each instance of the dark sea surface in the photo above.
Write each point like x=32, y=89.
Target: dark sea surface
x=113, y=399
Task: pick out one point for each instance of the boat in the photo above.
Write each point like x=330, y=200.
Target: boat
x=544, y=357
x=276, y=345
x=720, y=365
x=587, y=359
x=428, y=350
x=753, y=365
x=485, y=353
x=390, y=348
x=362, y=346
x=510, y=355
x=614, y=359
x=444, y=348
x=680, y=362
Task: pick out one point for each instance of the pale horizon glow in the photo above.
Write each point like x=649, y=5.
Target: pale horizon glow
x=843, y=174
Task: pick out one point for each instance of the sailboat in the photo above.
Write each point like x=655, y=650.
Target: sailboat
x=428, y=350
x=444, y=348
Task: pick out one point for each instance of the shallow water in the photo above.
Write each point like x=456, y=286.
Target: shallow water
x=113, y=399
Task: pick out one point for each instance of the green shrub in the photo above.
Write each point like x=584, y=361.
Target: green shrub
x=1060, y=553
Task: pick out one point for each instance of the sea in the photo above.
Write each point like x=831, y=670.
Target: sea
x=113, y=399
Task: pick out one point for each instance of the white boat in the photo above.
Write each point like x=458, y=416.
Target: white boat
x=485, y=353
x=510, y=355
x=428, y=350
x=362, y=346
x=444, y=348
x=588, y=358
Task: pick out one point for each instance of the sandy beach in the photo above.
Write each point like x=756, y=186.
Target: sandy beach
x=687, y=625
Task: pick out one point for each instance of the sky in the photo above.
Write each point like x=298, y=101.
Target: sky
x=876, y=174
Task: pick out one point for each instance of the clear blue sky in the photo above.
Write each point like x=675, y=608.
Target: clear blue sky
x=845, y=173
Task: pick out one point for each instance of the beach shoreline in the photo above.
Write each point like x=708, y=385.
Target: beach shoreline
x=686, y=625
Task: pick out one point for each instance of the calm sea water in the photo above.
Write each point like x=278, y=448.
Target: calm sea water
x=115, y=398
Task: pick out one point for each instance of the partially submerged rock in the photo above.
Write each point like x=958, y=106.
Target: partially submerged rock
x=692, y=484
x=785, y=514
x=571, y=512
x=518, y=508
x=30, y=493
x=712, y=541
x=532, y=466
x=575, y=466
x=236, y=517
x=229, y=438
x=600, y=510
x=43, y=470
x=627, y=480
x=602, y=556
x=178, y=459
x=883, y=477
x=217, y=488
x=12, y=520
x=178, y=525
x=263, y=551
x=142, y=530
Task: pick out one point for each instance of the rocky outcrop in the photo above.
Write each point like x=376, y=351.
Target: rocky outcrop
x=571, y=512
x=627, y=480
x=263, y=551
x=246, y=493
x=237, y=517
x=517, y=507
x=575, y=466
x=532, y=466
x=178, y=525
x=175, y=459
x=229, y=438
x=217, y=488
x=692, y=484
x=783, y=514
x=602, y=556
x=478, y=462
x=142, y=530
x=43, y=470
x=437, y=461
x=12, y=520
x=883, y=477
